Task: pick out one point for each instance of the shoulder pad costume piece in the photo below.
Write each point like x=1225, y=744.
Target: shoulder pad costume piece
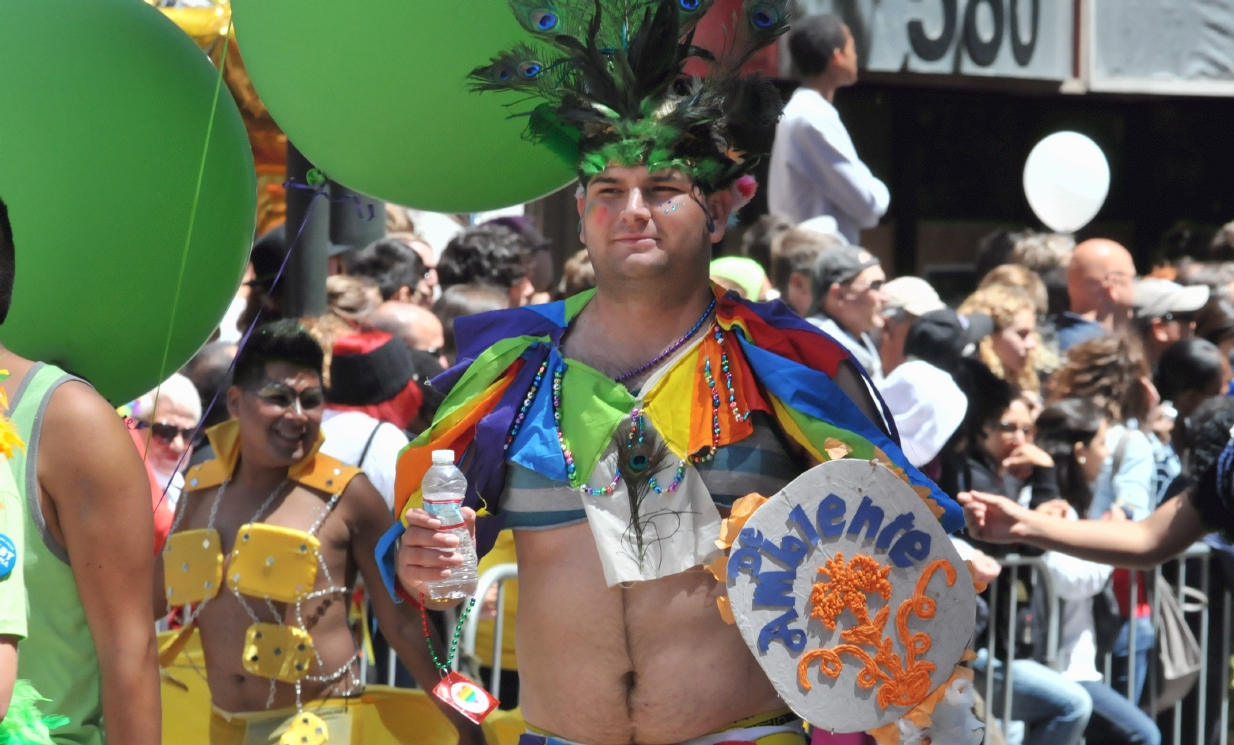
x=781, y=365
x=315, y=471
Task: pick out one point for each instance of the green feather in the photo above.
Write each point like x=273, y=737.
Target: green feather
x=24, y=724
x=612, y=89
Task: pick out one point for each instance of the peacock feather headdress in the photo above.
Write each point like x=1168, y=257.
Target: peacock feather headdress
x=604, y=84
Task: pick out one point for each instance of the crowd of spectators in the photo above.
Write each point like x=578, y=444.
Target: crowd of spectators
x=1064, y=382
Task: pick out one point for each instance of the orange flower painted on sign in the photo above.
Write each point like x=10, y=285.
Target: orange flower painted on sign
x=902, y=681
x=847, y=588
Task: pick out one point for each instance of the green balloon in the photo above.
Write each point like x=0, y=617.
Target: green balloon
x=104, y=110
x=374, y=93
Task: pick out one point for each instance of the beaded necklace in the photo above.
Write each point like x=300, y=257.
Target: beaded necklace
x=444, y=667
x=672, y=348
x=638, y=425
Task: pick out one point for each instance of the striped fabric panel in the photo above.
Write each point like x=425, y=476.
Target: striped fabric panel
x=535, y=502
x=760, y=463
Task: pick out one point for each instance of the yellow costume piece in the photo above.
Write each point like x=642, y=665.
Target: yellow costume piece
x=192, y=566
x=306, y=729
x=382, y=716
x=273, y=562
x=284, y=653
x=267, y=562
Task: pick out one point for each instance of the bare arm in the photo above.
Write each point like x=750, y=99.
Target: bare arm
x=852, y=382
x=100, y=511
x=369, y=519
x=1165, y=533
x=8, y=672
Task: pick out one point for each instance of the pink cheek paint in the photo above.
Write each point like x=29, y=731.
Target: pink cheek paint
x=597, y=213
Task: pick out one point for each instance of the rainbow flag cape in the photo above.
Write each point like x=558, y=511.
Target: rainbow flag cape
x=781, y=365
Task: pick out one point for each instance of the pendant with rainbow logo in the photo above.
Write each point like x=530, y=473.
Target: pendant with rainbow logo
x=466, y=697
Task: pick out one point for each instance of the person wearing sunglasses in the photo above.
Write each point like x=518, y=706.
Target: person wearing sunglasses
x=1165, y=312
x=269, y=539
x=849, y=298
x=166, y=420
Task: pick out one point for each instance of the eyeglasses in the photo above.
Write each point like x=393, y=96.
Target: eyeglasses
x=1180, y=317
x=1119, y=278
x=874, y=286
x=286, y=397
x=1010, y=428
x=167, y=432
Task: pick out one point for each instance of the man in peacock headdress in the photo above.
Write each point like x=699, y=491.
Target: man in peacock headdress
x=613, y=431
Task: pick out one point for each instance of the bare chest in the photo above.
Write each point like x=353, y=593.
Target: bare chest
x=649, y=663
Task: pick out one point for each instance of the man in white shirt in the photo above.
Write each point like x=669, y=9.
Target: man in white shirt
x=814, y=166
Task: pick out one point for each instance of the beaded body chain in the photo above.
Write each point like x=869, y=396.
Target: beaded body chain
x=330, y=589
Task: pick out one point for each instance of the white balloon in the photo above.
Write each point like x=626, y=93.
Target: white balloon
x=1066, y=180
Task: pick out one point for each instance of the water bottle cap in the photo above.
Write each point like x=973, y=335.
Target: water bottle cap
x=443, y=457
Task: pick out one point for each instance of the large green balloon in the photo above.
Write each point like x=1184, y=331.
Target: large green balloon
x=374, y=93
x=104, y=108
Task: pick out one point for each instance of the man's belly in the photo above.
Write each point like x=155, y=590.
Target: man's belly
x=223, y=625
x=651, y=664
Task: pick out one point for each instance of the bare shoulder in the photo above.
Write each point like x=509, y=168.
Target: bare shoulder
x=364, y=507
x=85, y=430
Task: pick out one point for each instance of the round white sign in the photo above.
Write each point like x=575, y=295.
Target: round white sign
x=851, y=596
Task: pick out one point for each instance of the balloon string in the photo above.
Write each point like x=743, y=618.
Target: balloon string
x=188, y=239
x=291, y=247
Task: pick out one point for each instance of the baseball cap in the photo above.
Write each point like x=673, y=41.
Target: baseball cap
x=913, y=295
x=1155, y=297
x=838, y=265
x=942, y=337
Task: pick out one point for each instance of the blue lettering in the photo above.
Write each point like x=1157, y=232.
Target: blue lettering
x=794, y=639
x=912, y=546
x=903, y=522
x=746, y=558
x=798, y=516
x=791, y=553
x=867, y=515
x=832, y=508
x=751, y=538
x=775, y=589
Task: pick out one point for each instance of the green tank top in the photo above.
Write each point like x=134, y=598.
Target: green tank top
x=58, y=654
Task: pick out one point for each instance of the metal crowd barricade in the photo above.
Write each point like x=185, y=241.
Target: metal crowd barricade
x=1200, y=553
x=497, y=575
x=1013, y=561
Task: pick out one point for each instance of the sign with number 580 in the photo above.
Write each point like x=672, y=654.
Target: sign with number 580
x=998, y=38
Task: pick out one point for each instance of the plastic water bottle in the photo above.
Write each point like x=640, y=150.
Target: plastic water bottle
x=444, y=487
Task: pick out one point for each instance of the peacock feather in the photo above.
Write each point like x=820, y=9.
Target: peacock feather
x=638, y=461
x=612, y=89
x=526, y=67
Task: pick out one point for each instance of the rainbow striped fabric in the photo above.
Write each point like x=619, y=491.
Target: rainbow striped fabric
x=781, y=366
